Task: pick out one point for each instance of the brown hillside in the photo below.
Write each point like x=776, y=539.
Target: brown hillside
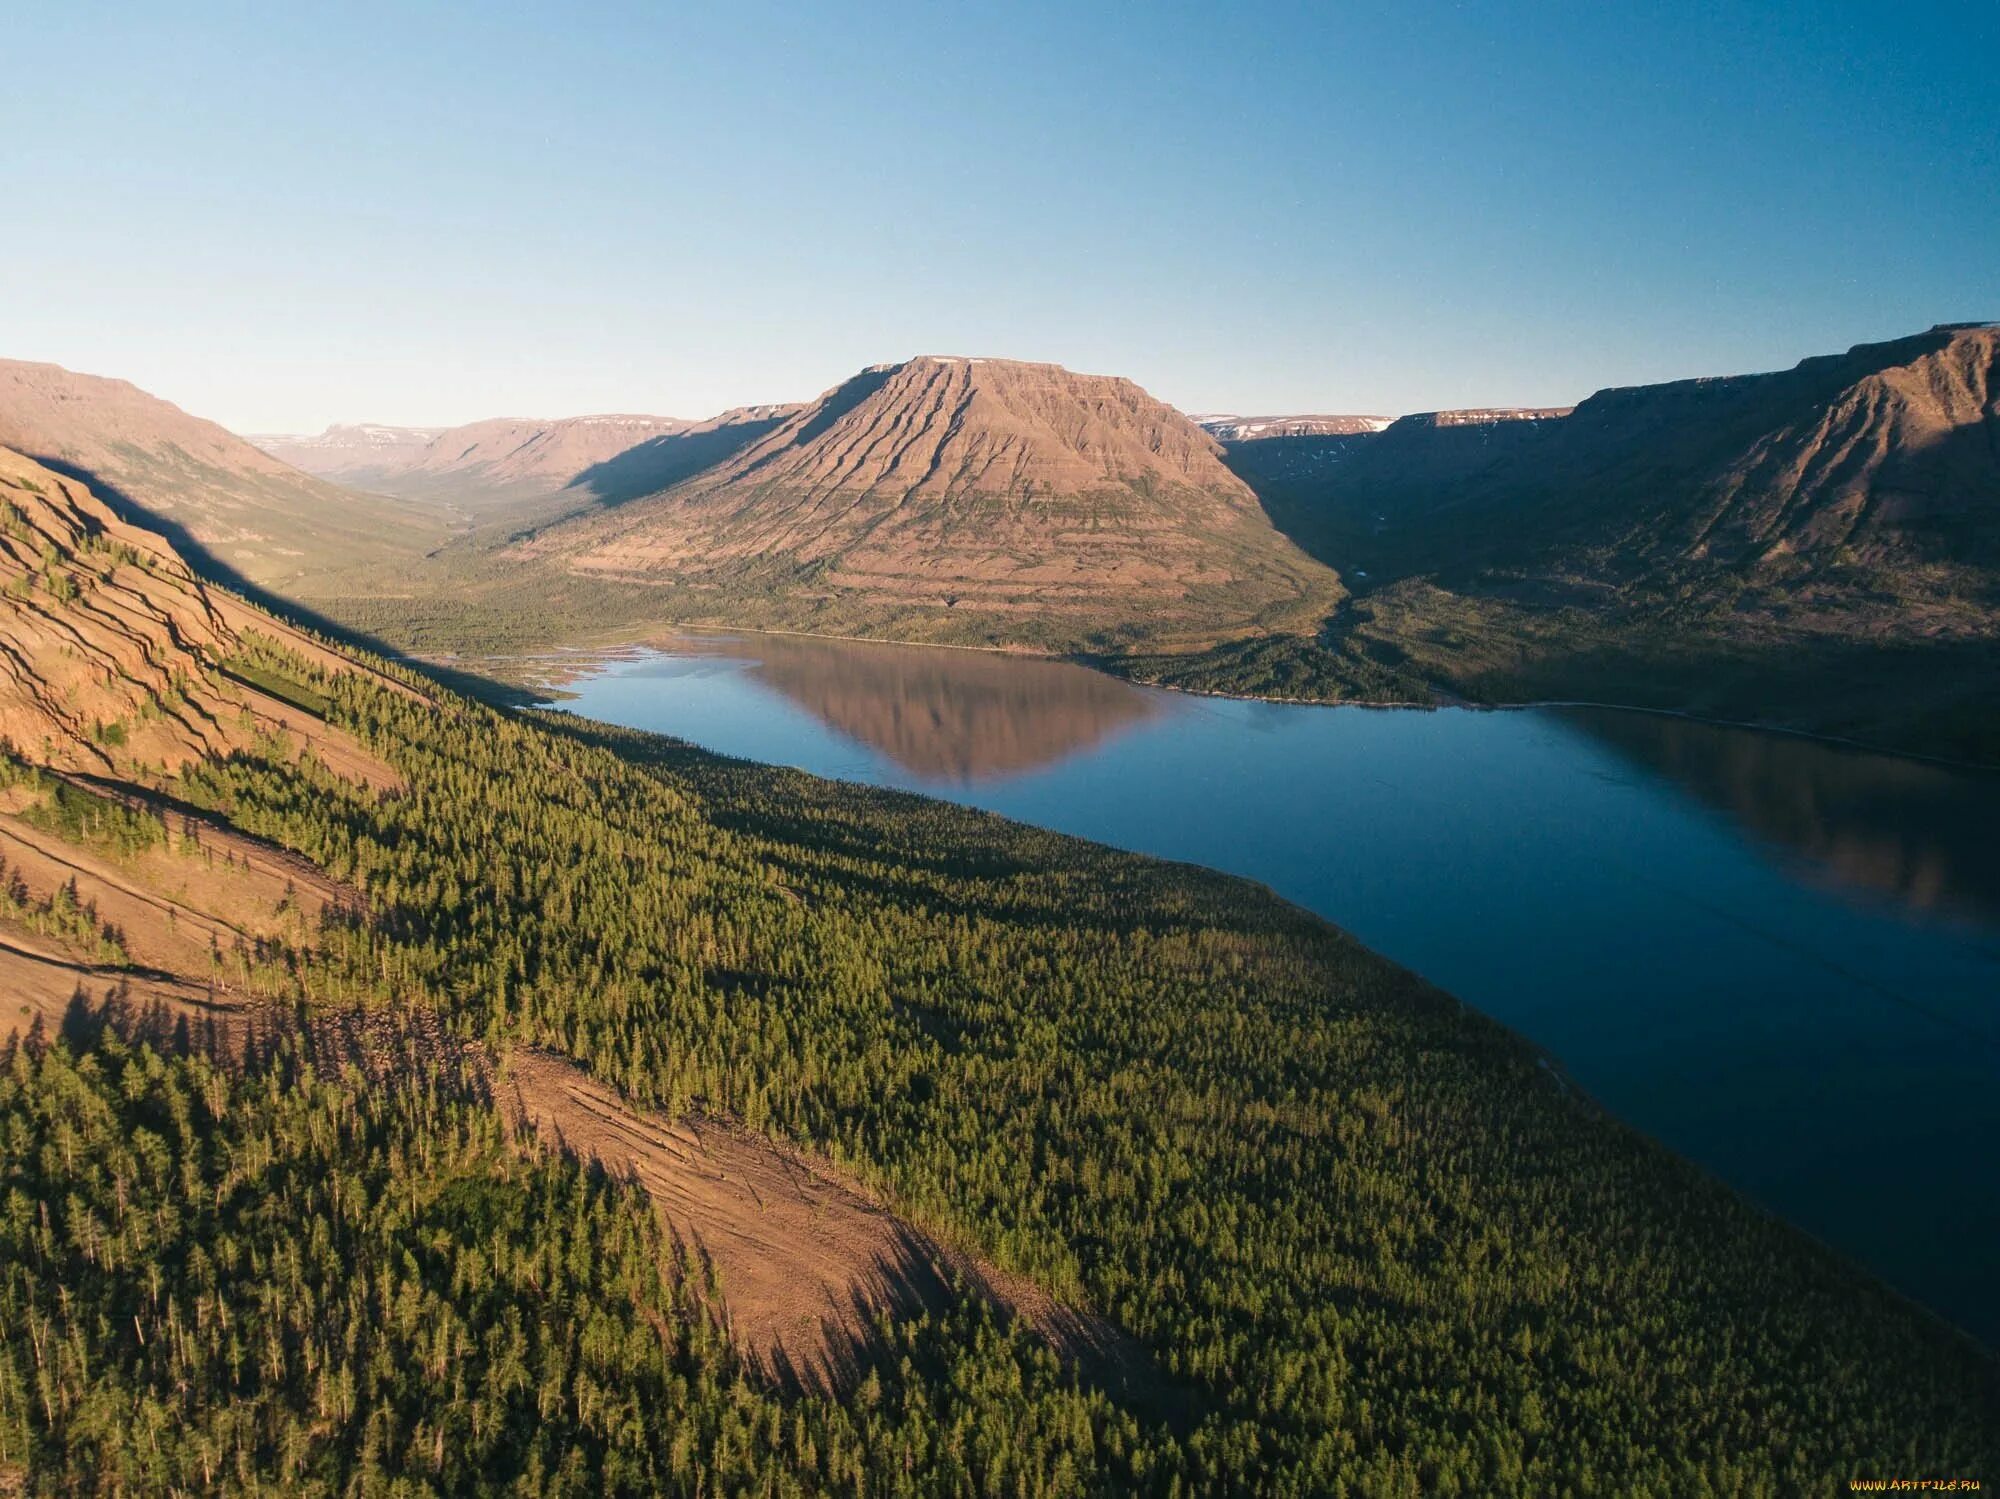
x=502, y=465
x=975, y=498
x=114, y=657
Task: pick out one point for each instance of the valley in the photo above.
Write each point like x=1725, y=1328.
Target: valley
x=1026, y=752
x=1774, y=955
x=1177, y=1142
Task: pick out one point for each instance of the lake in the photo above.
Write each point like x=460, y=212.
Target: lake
x=1777, y=955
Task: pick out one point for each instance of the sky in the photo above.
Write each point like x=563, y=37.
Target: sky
x=281, y=216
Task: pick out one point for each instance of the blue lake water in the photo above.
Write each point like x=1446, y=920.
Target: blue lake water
x=1779, y=956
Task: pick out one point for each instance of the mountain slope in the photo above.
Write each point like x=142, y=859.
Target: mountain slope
x=504, y=467
x=122, y=677
x=113, y=654
x=976, y=499
x=1888, y=454
x=1818, y=547
x=515, y=455
x=267, y=522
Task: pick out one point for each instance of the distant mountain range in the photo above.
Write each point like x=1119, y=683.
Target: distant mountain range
x=497, y=464
x=1246, y=428
x=1818, y=546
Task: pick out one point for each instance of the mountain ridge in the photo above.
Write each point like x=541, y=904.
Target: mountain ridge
x=1814, y=547
x=244, y=509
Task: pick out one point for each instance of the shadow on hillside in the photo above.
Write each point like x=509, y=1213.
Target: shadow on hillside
x=212, y=569
x=661, y=462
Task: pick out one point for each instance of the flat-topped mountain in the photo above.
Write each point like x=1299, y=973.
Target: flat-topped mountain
x=1885, y=453
x=980, y=499
x=1226, y=428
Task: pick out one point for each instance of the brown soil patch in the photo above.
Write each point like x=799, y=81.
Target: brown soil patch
x=172, y=906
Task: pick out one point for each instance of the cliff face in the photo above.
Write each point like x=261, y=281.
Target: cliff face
x=251, y=512
x=1007, y=491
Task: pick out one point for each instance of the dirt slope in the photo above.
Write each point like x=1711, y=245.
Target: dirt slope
x=966, y=498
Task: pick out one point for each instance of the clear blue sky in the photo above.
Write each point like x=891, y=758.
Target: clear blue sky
x=283, y=215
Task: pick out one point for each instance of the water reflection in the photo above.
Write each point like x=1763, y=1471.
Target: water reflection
x=944, y=715
x=1923, y=835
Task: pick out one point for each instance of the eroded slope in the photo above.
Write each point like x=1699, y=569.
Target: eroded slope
x=966, y=498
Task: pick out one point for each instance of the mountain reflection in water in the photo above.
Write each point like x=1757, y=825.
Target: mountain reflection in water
x=1920, y=834
x=944, y=715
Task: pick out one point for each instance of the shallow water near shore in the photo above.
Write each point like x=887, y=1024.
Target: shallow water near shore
x=1777, y=955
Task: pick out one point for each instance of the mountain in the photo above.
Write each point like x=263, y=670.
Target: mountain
x=981, y=500
x=501, y=458
x=1885, y=454
x=518, y=456
x=1289, y=464
x=347, y=452
x=1818, y=546
x=241, y=507
x=1227, y=429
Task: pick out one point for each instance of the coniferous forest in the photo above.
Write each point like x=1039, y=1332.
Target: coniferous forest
x=1353, y=1238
